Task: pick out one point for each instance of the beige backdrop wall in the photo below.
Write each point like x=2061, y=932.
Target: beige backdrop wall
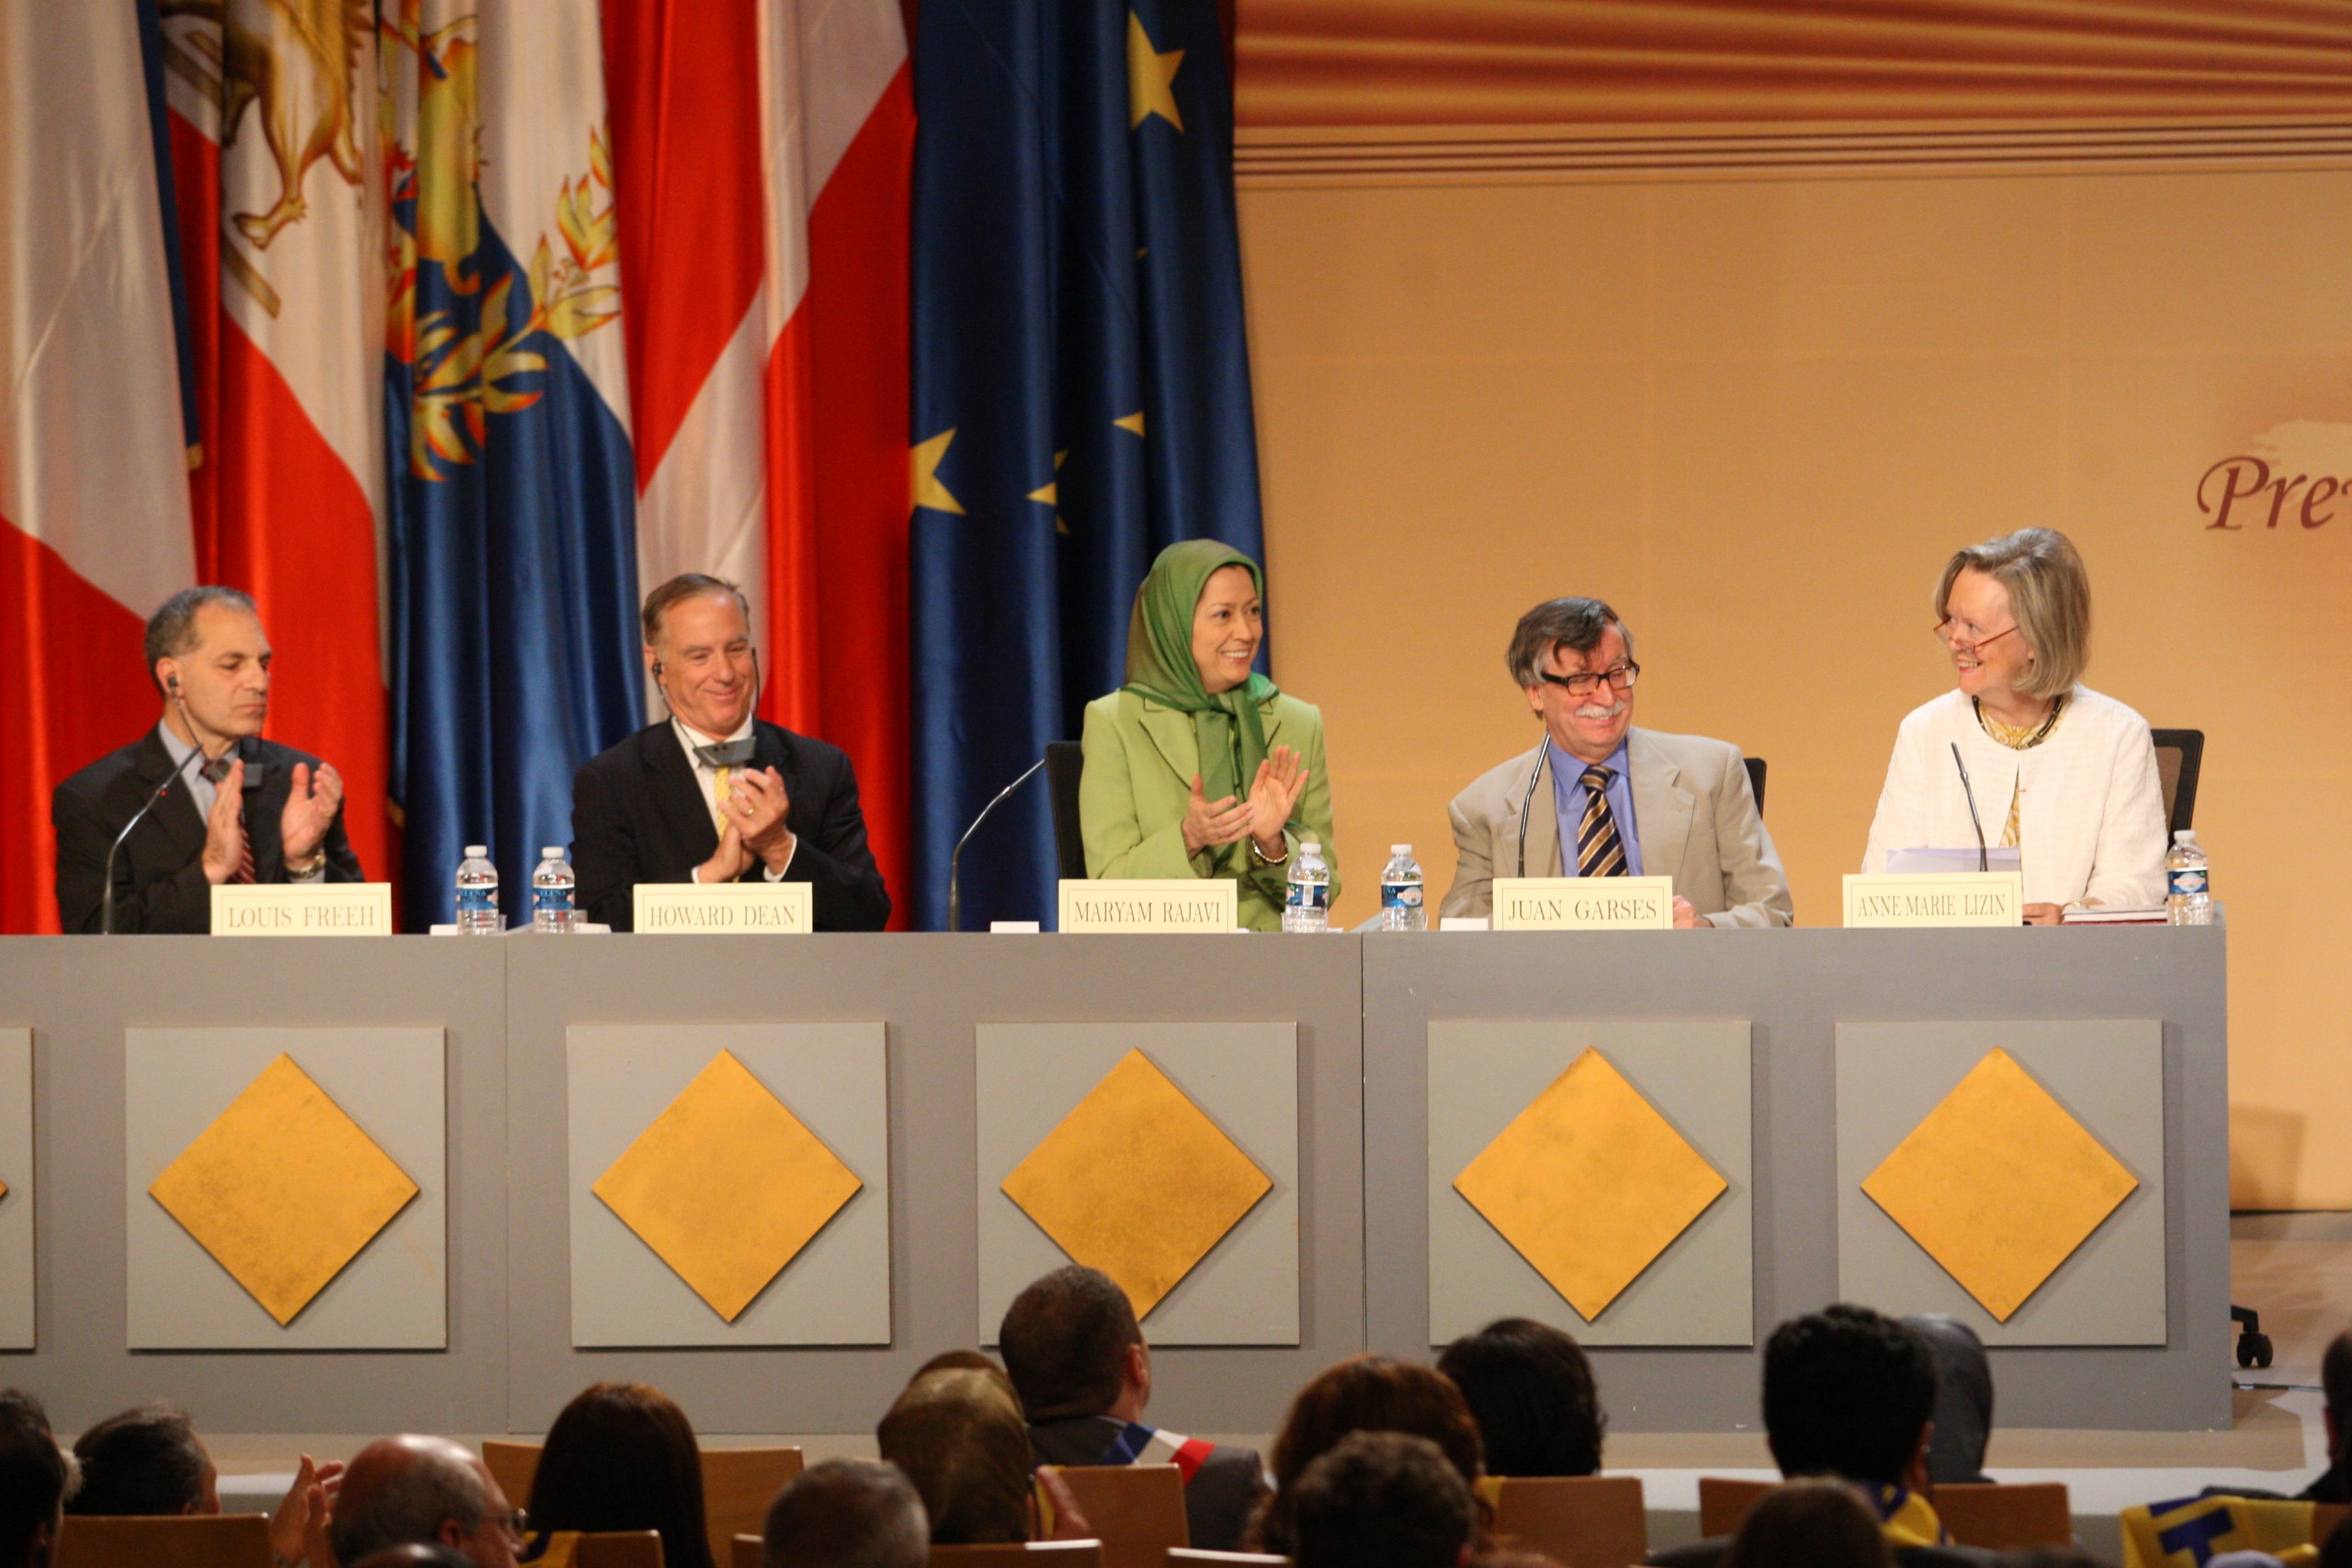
x=1755, y=408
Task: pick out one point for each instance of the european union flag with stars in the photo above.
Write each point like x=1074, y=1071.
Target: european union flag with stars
x=1081, y=390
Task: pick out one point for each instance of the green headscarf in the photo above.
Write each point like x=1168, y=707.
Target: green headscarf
x=1159, y=663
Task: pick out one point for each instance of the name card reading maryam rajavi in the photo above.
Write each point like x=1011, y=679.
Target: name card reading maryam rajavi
x=1584, y=903
x=722, y=908
x=322, y=909
x=1911, y=899
x=1178, y=903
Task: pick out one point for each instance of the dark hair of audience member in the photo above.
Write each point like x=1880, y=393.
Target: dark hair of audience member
x=2335, y=1378
x=1849, y=1392
x=1963, y=1414
x=1531, y=1391
x=1382, y=1500
x=847, y=1513
x=959, y=1435
x=1815, y=1522
x=623, y=1457
x=2069, y=1556
x=145, y=1463
x=35, y=1476
x=1363, y=1393
x=1064, y=1340
x=2336, y=1551
x=963, y=1361
x=416, y=1554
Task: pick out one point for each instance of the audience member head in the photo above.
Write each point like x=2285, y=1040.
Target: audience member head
x=1815, y=1522
x=2336, y=1551
x=1072, y=1347
x=35, y=1477
x=420, y=1491
x=1963, y=1412
x=144, y=1462
x=1849, y=1392
x=847, y=1513
x=1363, y=1393
x=1532, y=1390
x=1382, y=1500
x=414, y=1555
x=2335, y=1378
x=959, y=1435
x=962, y=1361
x=623, y=1457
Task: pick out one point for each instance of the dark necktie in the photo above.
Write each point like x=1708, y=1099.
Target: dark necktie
x=1600, y=852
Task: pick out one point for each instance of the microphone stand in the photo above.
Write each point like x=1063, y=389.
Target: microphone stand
x=1542, y=755
x=1984, y=856
x=955, y=882
x=106, y=899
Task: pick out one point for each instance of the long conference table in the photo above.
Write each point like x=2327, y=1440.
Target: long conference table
x=1793, y=1091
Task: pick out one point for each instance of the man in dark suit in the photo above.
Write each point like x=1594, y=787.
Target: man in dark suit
x=1078, y=1359
x=712, y=794
x=239, y=808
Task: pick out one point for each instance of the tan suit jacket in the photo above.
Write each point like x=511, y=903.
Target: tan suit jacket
x=1692, y=809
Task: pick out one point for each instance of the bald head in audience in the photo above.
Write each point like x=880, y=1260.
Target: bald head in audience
x=847, y=1513
x=414, y=1490
x=414, y=1556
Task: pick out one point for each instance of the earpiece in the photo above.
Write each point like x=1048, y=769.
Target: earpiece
x=173, y=682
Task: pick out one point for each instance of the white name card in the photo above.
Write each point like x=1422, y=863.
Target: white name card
x=1911, y=899
x=1180, y=904
x=1584, y=903
x=722, y=908
x=308, y=909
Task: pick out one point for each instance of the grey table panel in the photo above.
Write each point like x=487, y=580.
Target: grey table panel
x=1796, y=987
x=931, y=991
x=78, y=994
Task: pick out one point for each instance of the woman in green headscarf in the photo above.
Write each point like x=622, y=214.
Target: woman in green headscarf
x=1198, y=766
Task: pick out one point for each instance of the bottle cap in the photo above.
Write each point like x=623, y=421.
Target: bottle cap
x=2184, y=836
x=1312, y=846
x=1400, y=849
x=477, y=851
x=553, y=852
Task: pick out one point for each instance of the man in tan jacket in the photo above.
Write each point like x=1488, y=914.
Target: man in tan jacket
x=1627, y=802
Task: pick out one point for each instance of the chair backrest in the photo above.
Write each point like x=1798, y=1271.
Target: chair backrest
x=1137, y=1509
x=737, y=1485
x=746, y=1552
x=2007, y=1517
x=1755, y=782
x=1032, y=1554
x=511, y=1465
x=1580, y=1522
x=223, y=1541
x=2180, y=753
x=1724, y=1502
x=617, y=1548
x=1180, y=1555
x=1065, y=760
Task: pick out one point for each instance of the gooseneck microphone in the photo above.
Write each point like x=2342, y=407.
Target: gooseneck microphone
x=1542, y=755
x=1984, y=856
x=955, y=882
x=106, y=899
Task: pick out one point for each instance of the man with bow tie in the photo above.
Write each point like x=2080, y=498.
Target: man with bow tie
x=712, y=794
x=228, y=805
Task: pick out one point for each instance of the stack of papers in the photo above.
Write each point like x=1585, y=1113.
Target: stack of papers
x=2099, y=914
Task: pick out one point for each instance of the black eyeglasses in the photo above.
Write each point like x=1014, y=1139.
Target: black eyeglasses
x=1584, y=683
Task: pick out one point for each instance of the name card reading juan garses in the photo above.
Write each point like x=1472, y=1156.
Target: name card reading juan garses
x=1584, y=903
x=1911, y=899
x=1178, y=903
x=722, y=908
x=308, y=909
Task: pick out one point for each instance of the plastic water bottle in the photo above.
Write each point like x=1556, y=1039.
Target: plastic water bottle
x=1400, y=892
x=1309, y=908
x=478, y=893
x=552, y=886
x=2189, y=900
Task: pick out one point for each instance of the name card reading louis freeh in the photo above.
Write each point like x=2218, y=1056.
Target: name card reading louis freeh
x=325, y=908
x=1176, y=904
x=722, y=908
x=1584, y=903
x=1940, y=899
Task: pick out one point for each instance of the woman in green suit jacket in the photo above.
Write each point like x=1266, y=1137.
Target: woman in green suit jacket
x=1167, y=754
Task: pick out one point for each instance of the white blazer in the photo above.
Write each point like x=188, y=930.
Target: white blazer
x=2090, y=808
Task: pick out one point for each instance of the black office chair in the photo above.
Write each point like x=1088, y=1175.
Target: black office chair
x=2180, y=754
x=1065, y=760
x=1755, y=782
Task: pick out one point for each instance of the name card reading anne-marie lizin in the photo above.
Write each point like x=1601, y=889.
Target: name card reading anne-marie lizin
x=1584, y=903
x=304, y=909
x=1177, y=903
x=1914, y=899
x=722, y=908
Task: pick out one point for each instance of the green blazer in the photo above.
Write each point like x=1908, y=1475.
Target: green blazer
x=1140, y=759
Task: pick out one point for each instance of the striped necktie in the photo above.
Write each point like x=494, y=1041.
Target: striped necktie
x=1600, y=852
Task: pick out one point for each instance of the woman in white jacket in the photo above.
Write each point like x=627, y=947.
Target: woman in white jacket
x=2066, y=775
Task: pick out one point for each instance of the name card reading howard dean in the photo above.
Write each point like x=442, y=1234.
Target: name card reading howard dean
x=1584, y=903
x=327, y=909
x=1178, y=903
x=722, y=908
x=1900, y=899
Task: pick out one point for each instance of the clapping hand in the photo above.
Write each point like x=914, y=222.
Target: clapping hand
x=309, y=811
x=298, y=1531
x=224, y=827
x=1282, y=779
x=1212, y=824
x=757, y=805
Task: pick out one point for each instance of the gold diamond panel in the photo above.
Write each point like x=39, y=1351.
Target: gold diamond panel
x=283, y=1189
x=1137, y=1181
x=1999, y=1185
x=1590, y=1184
x=727, y=1186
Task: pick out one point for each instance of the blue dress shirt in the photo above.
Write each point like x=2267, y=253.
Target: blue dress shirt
x=1568, y=800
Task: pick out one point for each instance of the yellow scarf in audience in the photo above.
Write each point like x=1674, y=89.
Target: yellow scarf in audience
x=2177, y=1535
x=1907, y=1518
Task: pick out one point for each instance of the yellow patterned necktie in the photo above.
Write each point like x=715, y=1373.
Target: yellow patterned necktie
x=720, y=794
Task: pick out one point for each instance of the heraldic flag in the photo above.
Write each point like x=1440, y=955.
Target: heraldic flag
x=1081, y=388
